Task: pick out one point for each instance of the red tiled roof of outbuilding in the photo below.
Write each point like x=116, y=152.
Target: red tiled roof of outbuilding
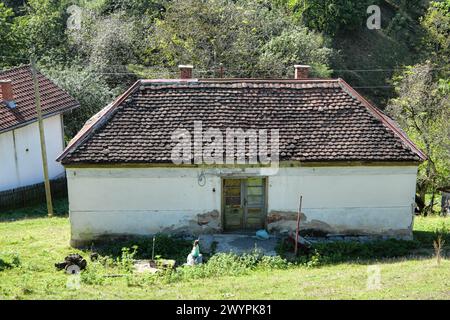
x=54, y=100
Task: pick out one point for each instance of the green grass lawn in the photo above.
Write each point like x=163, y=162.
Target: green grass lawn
x=30, y=245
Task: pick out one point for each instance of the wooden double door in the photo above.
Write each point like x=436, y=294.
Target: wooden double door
x=244, y=204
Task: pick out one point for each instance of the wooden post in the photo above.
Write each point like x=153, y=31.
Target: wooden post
x=298, y=224
x=48, y=193
x=153, y=249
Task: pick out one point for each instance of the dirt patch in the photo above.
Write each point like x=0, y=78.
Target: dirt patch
x=208, y=217
x=208, y=222
x=275, y=216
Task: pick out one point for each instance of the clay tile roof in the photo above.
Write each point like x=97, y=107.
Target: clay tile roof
x=54, y=100
x=318, y=120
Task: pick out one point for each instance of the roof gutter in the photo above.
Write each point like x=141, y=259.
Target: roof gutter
x=48, y=115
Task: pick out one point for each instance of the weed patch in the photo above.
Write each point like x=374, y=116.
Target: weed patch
x=165, y=246
x=9, y=261
x=227, y=264
x=338, y=252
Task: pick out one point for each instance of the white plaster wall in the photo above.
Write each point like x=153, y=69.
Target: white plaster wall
x=369, y=199
x=19, y=167
x=144, y=201
x=138, y=201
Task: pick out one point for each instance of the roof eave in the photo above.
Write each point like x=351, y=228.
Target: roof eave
x=382, y=117
x=288, y=163
x=107, y=111
x=45, y=116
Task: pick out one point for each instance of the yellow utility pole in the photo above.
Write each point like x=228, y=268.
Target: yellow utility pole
x=48, y=193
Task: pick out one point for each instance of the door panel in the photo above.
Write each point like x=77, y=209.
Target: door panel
x=233, y=208
x=234, y=218
x=254, y=219
x=244, y=203
x=255, y=201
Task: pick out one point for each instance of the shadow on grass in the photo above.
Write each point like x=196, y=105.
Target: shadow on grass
x=176, y=248
x=5, y=265
x=60, y=208
x=9, y=261
x=426, y=238
x=333, y=253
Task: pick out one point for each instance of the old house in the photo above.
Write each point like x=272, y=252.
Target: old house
x=354, y=167
x=20, y=151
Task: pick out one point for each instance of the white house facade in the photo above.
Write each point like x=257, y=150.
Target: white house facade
x=370, y=200
x=352, y=166
x=20, y=156
x=20, y=146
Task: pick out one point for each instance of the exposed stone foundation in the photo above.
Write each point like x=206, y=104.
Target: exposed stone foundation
x=285, y=222
x=208, y=222
x=202, y=223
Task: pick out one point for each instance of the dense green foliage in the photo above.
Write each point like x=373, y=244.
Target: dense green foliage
x=6, y=36
x=332, y=16
x=423, y=109
x=436, y=22
x=422, y=102
x=247, y=37
x=89, y=88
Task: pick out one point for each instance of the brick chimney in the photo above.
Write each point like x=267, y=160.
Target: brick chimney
x=6, y=90
x=301, y=71
x=186, y=71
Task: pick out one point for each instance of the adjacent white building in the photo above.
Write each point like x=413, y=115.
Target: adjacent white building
x=355, y=170
x=20, y=151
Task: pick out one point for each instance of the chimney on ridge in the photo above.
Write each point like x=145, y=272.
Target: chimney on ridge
x=301, y=71
x=185, y=71
x=7, y=93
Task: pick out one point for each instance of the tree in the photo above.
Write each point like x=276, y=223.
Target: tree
x=85, y=85
x=42, y=30
x=422, y=108
x=108, y=44
x=134, y=8
x=436, y=22
x=6, y=38
x=331, y=16
x=244, y=36
x=294, y=45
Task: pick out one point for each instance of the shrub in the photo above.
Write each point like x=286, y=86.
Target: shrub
x=165, y=246
x=438, y=243
x=227, y=264
x=93, y=274
x=126, y=260
x=9, y=260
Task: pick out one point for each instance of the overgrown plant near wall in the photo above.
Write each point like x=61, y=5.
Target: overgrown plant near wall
x=228, y=264
x=339, y=252
x=441, y=233
x=232, y=264
x=116, y=260
x=165, y=246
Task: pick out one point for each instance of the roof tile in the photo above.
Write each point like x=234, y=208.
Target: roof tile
x=317, y=120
